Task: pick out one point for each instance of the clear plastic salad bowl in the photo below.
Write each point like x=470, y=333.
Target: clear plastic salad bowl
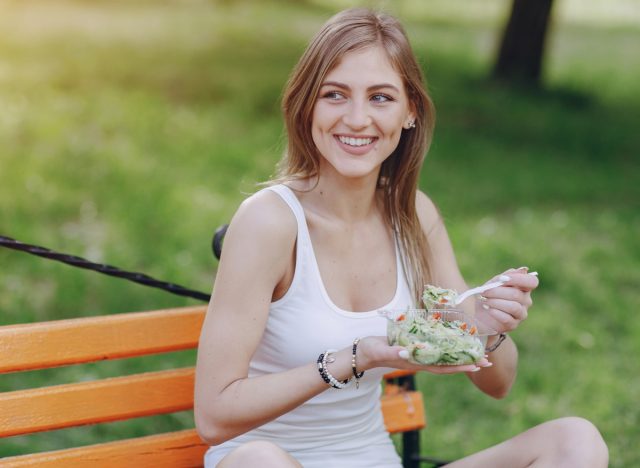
x=437, y=337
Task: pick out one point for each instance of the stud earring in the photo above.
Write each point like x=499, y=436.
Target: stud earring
x=412, y=124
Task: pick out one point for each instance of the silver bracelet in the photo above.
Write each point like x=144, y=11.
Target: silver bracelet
x=323, y=359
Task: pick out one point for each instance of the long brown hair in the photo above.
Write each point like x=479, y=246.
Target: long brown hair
x=351, y=30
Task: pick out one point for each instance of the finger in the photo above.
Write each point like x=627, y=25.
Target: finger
x=523, y=281
x=515, y=309
x=522, y=269
x=496, y=325
x=484, y=362
x=452, y=369
x=504, y=322
x=506, y=293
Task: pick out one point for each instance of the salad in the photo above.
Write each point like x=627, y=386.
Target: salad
x=436, y=338
x=435, y=297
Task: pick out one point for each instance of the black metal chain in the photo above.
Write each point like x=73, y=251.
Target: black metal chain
x=80, y=262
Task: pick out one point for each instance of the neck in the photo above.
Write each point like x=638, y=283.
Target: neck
x=347, y=200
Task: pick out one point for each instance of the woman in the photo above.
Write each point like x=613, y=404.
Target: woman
x=308, y=261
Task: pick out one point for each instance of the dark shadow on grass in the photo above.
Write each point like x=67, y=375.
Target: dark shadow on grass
x=512, y=146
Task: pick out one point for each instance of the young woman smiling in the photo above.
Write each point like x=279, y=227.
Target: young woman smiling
x=342, y=232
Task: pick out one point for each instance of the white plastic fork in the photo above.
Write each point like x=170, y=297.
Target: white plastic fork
x=485, y=287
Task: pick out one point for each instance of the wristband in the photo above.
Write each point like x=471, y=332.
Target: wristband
x=495, y=345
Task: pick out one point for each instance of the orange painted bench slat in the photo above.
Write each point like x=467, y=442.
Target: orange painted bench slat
x=72, y=341
x=403, y=412
x=398, y=373
x=175, y=449
x=60, y=406
x=184, y=448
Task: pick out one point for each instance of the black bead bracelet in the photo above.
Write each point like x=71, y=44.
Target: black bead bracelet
x=356, y=374
x=326, y=375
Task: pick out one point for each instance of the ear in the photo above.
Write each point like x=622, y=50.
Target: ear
x=410, y=120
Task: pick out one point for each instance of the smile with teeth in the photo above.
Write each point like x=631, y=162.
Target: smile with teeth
x=355, y=141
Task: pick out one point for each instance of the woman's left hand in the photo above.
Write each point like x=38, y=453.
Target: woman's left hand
x=505, y=307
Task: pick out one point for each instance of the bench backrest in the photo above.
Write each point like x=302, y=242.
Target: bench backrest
x=83, y=340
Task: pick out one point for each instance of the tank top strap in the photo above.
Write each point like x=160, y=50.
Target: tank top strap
x=290, y=199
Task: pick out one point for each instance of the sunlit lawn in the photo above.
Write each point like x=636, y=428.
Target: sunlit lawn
x=130, y=130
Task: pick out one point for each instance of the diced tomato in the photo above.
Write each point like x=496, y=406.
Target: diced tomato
x=463, y=326
x=401, y=317
x=473, y=330
x=437, y=315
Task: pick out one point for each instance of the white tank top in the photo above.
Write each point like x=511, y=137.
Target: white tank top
x=343, y=425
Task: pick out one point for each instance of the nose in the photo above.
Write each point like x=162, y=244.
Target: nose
x=356, y=114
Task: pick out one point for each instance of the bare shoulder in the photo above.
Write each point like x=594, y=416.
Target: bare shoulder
x=428, y=212
x=263, y=219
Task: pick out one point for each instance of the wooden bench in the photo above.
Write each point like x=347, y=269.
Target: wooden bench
x=75, y=341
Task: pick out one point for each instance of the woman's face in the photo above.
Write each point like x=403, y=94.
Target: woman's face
x=359, y=115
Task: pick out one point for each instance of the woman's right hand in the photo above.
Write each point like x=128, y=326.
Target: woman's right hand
x=374, y=351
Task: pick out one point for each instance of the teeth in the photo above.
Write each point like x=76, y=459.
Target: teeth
x=355, y=141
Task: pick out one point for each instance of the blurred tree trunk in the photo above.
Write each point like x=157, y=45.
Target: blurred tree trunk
x=520, y=55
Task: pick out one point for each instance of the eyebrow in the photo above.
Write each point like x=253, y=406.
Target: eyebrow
x=337, y=84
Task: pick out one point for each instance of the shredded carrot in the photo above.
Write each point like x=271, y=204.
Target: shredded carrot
x=473, y=330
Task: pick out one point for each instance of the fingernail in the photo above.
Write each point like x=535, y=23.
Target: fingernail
x=489, y=364
x=476, y=369
x=525, y=268
x=404, y=354
x=485, y=306
x=533, y=273
x=483, y=299
x=504, y=278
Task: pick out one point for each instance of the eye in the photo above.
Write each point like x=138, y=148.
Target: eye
x=333, y=95
x=381, y=98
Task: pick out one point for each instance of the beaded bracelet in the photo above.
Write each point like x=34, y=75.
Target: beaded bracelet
x=353, y=363
x=324, y=372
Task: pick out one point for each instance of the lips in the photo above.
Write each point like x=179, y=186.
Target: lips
x=355, y=141
x=355, y=144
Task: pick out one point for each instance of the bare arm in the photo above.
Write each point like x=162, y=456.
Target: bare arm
x=258, y=247
x=496, y=380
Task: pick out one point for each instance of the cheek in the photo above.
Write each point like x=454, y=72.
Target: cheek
x=394, y=133
x=321, y=122
x=319, y=138
x=392, y=125
x=323, y=114
x=317, y=131
x=391, y=140
x=314, y=137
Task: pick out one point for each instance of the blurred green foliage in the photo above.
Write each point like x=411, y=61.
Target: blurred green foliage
x=131, y=130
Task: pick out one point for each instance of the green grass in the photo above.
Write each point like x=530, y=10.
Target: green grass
x=131, y=130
